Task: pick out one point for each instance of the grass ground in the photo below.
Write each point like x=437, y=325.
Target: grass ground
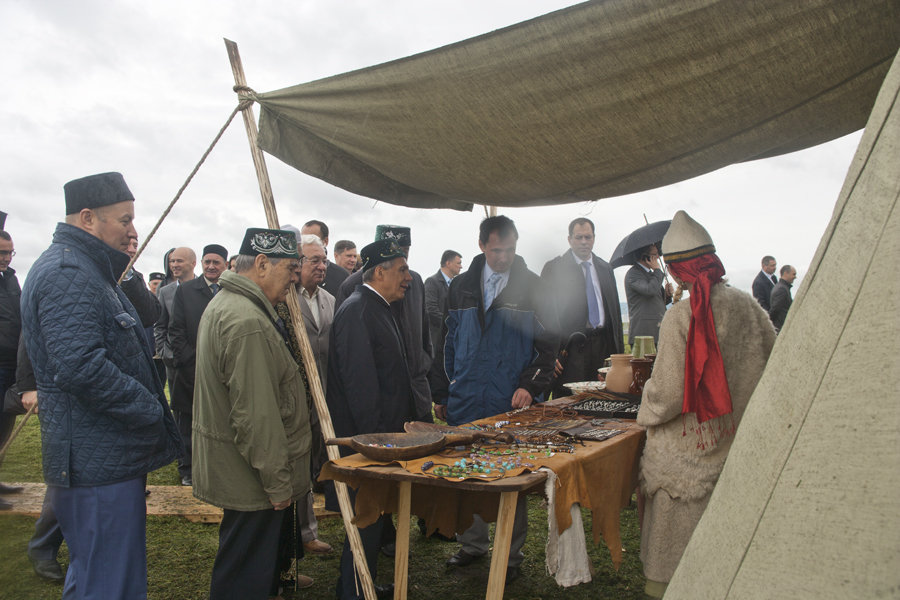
x=180, y=554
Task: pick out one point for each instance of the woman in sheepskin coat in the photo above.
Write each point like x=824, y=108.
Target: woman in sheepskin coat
x=684, y=455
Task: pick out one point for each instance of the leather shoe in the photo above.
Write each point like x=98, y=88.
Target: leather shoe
x=47, y=568
x=317, y=547
x=512, y=573
x=462, y=559
x=10, y=489
x=187, y=481
x=5, y=504
x=384, y=591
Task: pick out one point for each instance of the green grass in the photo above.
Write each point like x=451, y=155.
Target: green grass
x=180, y=553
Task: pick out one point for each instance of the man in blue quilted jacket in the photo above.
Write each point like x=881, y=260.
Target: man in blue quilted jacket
x=104, y=418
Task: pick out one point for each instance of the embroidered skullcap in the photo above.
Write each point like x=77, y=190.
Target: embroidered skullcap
x=156, y=275
x=274, y=243
x=378, y=252
x=398, y=233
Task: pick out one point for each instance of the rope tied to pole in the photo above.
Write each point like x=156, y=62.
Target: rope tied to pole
x=242, y=105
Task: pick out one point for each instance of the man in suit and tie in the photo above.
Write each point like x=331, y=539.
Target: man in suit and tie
x=585, y=300
x=436, y=291
x=334, y=274
x=181, y=263
x=764, y=282
x=188, y=304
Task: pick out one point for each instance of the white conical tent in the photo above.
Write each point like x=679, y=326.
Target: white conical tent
x=808, y=505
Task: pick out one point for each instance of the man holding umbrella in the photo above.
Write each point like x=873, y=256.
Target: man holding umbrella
x=588, y=320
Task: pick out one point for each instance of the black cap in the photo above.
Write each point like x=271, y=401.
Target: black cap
x=398, y=233
x=156, y=275
x=95, y=191
x=274, y=243
x=378, y=252
x=215, y=249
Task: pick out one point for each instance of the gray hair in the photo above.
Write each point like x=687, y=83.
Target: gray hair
x=369, y=274
x=244, y=262
x=310, y=239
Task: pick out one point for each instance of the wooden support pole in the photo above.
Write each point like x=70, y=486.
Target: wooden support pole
x=309, y=360
x=401, y=556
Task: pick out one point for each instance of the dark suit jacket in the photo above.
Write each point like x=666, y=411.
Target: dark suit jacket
x=565, y=281
x=646, y=302
x=780, y=303
x=188, y=304
x=762, y=289
x=334, y=277
x=413, y=322
x=436, y=293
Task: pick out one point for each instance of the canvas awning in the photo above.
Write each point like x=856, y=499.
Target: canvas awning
x=601, y=99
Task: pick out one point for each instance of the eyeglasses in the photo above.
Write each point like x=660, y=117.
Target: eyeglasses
x=9, y=253
x=314, y=261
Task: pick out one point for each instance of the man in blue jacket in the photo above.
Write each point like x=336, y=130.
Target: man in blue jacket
x=497, y=356
x=105, y=423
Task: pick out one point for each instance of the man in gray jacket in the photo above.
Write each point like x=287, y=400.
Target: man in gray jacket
x=647, y=295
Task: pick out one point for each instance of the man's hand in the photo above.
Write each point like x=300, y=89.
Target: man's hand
x=440, y=411
x=557, y=368
x=521, y=398
x=29, y=399
x=280, y=505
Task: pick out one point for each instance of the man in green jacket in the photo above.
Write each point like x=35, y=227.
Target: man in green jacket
x=251, y=422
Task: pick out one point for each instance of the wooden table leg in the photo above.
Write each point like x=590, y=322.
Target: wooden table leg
x=401, y=556
x=506, y=516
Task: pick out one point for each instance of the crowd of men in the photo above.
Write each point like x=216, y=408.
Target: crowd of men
x=95, y=353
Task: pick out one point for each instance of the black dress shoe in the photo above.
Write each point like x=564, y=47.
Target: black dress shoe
x=10, y=489
x=384, y=591
x=462, y=559
x=512, y=573
x=47, y=568
x=5, y=504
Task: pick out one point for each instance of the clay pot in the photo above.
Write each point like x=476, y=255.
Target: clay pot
x=619, y=377
x=640, y=368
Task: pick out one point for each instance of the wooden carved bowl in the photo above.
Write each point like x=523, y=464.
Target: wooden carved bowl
x=388, y=447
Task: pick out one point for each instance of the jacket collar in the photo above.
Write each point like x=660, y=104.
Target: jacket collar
x=111, y=261
x=243, y=286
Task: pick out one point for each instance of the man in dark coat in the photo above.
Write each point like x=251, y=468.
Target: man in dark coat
x=188, y=304
x=10, y=327
x=437, y=289
x=646, y=295
x=409, y=312
x=585, y=300
x=105, y=423
x=764, y=282
x=368, y=380
x=781, y=301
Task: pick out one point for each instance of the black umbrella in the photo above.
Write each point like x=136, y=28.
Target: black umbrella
x=652, y=233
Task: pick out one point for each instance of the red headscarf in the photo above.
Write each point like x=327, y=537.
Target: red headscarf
x=705, y=386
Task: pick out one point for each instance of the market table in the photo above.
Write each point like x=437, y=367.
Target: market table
x=599, y=476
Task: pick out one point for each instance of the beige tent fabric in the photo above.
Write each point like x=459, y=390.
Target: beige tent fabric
x=808, y=505
x=601, y=99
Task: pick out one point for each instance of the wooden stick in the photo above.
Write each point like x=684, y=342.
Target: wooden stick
x=309, y=360
x=401, y=556
x=506, y=516
x=16, y=431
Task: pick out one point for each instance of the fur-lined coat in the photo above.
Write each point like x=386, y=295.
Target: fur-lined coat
x=674, y=460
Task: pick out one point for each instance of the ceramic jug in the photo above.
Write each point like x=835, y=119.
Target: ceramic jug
x=619, y=377
x=640, y=368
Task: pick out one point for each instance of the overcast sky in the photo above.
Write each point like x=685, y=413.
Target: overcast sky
x=143, y=87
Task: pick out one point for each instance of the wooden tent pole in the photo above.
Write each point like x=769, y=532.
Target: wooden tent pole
x=312, y=373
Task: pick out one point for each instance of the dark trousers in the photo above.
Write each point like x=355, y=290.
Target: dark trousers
x=48, y=537
x=185, y=423
x=246, y=565
x=348, y=588
x=584, y=359
x=7, y=420
x=105, y=529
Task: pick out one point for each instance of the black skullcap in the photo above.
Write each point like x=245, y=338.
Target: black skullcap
x=95, y=191
x=398, y=233
x=216, y=249
x=274, y=243
x=378, y=252
x=156, y=275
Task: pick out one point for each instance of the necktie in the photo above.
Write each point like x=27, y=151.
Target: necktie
x=490, y=289
x=593, y=306
x=774, y=280
x=214, y=287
